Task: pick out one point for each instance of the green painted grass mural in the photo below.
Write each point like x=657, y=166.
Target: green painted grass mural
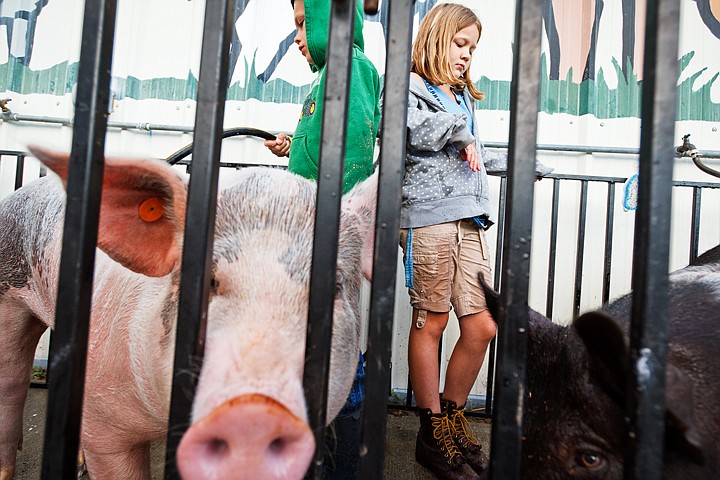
x=592, y=97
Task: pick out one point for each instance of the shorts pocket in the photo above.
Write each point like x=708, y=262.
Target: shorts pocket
x=425, y=273
x=425, y=264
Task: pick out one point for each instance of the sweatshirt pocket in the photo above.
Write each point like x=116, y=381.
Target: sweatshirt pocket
x=301, y=162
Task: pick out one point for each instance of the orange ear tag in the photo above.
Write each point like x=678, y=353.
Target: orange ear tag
x=151, y=210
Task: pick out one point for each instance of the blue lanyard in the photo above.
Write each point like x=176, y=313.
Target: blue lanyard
x=450, y=105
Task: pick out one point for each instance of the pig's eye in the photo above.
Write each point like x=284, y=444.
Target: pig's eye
x=590, y=460
x=214, y=284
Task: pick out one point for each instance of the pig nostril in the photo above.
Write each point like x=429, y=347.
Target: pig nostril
x=217, y=446
x=277, y=446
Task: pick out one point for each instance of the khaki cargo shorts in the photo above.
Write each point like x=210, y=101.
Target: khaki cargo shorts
x=446, y=261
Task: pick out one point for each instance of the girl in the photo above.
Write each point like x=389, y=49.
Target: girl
x=445, y=213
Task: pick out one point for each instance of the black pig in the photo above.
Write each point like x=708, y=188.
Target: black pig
x=577, y=377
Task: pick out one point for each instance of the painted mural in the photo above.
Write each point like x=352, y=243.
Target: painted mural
x=591, y=63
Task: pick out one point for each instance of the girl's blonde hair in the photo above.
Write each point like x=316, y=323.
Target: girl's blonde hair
x=430, y=51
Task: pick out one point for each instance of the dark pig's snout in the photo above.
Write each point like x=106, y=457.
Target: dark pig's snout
x=251, y=436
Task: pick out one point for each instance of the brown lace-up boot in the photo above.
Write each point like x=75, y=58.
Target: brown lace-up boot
x=464, y=438
x=436, y=451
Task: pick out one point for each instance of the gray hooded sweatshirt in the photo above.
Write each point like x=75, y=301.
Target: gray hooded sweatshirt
x=439, y=186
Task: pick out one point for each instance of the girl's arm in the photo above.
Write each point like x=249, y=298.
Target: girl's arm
x=432, y=131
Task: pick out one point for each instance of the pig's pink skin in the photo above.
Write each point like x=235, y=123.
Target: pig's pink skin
x=257, y=312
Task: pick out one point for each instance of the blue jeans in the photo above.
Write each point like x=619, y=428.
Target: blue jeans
x=342, y=446
x=342, y=438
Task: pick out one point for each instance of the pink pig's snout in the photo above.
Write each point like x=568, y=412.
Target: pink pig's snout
x=252, y=437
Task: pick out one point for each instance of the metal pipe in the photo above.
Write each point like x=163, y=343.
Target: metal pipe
x=148, y=127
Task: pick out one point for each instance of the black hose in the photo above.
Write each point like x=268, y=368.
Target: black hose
x=704, y=168
x=230, y=132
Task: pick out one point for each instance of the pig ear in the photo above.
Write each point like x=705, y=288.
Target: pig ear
x=607, y=351
x=608, y=356
x=361, y=203
x=142, y=212
x=680, y=425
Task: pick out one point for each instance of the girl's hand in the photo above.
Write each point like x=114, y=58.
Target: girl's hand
x=470, y=155
x=280, y=147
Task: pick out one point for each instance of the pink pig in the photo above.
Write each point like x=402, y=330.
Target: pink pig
x=249, y=415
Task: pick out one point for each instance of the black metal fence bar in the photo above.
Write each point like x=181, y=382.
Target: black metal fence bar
x=19, y=157
x=695, y=223
x=492, y=348
x=19, y=170
x=84, y=184
x=580, y=251
x=382, y=294
x=648, y=333
x=550, y=294
x=327, y=222
x=201, y=208
x=609, y=229
x=499, y=245
x=512, y=344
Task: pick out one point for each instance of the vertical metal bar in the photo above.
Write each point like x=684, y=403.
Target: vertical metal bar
x=392, y=167
x=409, y=393
x=580, y=252
x=201, y=208
x=492, y=355
x=513, y=316
x=327, y=222
x=648, y=333
x=550, y=294
x=695, y=223
x=19, y=170
x=84, y=187
x=609, y=226
x=499, y=245
x=492, y=348
x=387, y=225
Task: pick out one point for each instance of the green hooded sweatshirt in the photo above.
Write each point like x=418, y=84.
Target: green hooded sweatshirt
x=363, y=103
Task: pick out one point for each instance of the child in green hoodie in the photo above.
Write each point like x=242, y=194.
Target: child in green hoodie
x=312, y=20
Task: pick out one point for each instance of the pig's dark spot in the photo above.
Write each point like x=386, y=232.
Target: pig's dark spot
x=169, y=310
x=297, y=265
x=23, y=219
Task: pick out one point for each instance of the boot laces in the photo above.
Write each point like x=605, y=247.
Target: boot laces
x=443, y=432
x=462, y=427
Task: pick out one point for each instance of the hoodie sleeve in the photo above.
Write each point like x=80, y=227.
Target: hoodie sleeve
x=495, y=162
x=363, y=121
x=433, y=130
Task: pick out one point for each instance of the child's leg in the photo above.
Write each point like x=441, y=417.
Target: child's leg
x=422, y=358
x=476, y=332
x=477, y=327
x=433, y=263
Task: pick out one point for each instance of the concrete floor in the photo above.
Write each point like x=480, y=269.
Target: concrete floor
x=399, y=452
